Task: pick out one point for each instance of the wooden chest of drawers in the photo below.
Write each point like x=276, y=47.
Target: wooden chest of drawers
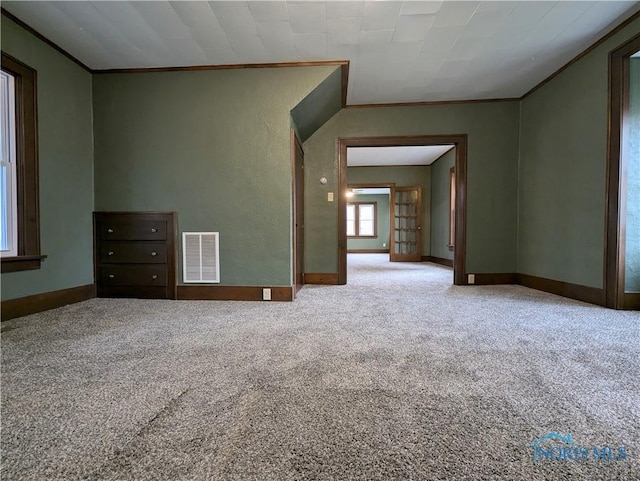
x=135, y=254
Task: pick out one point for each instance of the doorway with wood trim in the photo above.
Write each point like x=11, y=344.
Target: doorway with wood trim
x=406, y=227
x=383, y=218
x=622, y=243
x=297, y=154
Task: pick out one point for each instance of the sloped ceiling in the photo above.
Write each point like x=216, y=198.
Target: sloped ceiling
x=319, y=106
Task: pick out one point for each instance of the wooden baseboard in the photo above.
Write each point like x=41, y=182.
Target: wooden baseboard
x=233, y=293
x=592, y=295
x=565, y=289
x=330, y=279
x=438, y=260
x=24, y=306
x=496, y=278
x=367, y=251
x=632, y=301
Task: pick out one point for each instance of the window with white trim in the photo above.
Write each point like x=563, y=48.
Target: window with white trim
x=8, y=171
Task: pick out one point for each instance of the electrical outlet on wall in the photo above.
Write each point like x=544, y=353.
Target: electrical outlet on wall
x=384, y=244
x=472, y=278
x=266, y=294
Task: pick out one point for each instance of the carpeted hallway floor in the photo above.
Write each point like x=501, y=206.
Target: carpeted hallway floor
x=398, y=375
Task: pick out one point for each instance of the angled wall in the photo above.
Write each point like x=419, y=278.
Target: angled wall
x=320, y=105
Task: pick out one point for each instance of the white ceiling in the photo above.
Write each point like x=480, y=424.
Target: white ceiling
x=372, y=191
x=399, y=51
x=409, y=155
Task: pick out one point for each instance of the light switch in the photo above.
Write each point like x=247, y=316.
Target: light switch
x=330, y=196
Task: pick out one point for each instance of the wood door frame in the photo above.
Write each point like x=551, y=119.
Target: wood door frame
x=616, y=192
x=294, y=211
x=460, y=143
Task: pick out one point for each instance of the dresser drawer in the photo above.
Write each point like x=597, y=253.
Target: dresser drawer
x=120, y=229
x=133, y=252
x=133, y=275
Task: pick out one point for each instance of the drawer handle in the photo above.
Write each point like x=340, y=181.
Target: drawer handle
x=111, y=276
x=154, y=230
x=110, y=253
x=154, y=254
x=110, y=231
x=154, y=276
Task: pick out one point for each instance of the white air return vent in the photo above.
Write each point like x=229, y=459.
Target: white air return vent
x=200, y=257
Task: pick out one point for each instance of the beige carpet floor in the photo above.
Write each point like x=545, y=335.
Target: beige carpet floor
x=398, y=375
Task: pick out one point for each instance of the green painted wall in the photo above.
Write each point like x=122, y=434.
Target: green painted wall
x=382, y=223
x=65, y=145
x=562, y=173
x=440, y=180
x=213, y=146
x=492, y=130
x=406, y=176
x=632, y=248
